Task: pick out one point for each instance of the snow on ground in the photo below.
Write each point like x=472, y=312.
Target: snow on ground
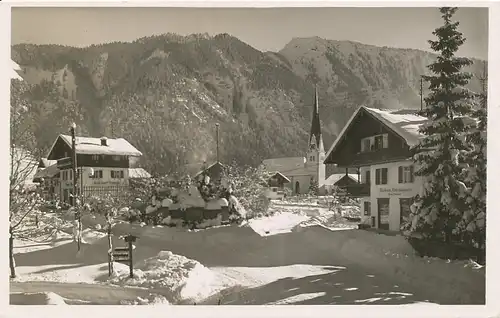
x=281, y=222
x=46, y=298
x=286, y=218
x=259, y=276
x=235, y=257
x=184, y=278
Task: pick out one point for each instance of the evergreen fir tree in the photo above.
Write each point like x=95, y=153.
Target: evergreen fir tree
x=313, y=187
x=440, y=206
x=474, y=220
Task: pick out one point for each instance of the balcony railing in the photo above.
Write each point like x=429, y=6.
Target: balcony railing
x=355, y=190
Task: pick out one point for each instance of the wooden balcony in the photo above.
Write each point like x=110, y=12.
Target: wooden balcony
x=355, y=190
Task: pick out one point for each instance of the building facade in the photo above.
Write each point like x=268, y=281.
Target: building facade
x=102, y=164
x=304, y=171
x=377, y=143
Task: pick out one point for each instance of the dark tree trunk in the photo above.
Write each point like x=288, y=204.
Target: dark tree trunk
x=12, y=262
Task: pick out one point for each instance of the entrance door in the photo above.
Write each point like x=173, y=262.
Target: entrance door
x=66, y=195
x=383, y=213
x=404, y=208
x=297, y=188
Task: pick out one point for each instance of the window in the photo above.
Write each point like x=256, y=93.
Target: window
x=375, y=143
x=95, y=157
x=379, y=142
x=71, y=174
x=405, y=174
x=116, y=158
x=117, y=174
x=367, y=177
x=367, y=208
x=381, y=176
x=97, y=174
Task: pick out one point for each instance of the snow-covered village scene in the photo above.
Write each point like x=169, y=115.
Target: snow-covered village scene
x=234, y=156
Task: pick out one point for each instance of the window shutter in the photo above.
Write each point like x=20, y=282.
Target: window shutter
x=384, y=175
x=400, y=174
x=122, y=174
x=363, y=145
x=367, y=177
x=385, y=141
x=377, y=176
x=412, y=178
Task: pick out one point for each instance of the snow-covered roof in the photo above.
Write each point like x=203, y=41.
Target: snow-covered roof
x=14, y=67
x=334, y=178
x=404, y=122
x=284, y=165
x=138, y=173
x=48, y=172
x=282, y=175
x=90, y=145
x=213, y=165
x=47, y=163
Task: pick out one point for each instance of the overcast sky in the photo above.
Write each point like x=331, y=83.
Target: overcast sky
x=264, y=29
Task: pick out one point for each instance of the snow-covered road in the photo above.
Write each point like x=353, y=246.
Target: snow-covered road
x=85, y=294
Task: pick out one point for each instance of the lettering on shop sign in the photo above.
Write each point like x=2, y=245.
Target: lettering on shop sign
x=395, y=191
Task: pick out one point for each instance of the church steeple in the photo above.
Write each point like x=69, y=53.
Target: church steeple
x=315, y=138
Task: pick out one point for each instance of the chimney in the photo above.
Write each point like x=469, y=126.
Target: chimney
x=104, y=141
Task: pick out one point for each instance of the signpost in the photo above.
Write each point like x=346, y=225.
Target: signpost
x=124, y=254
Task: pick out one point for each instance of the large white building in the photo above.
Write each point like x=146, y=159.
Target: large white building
x=302, y=171
x=103, y=164
x=377, y=143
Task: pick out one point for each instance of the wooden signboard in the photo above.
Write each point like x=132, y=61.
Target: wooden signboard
x=124, y=254
x=121, y=255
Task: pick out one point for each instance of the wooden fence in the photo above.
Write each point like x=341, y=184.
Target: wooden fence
x=120, y=192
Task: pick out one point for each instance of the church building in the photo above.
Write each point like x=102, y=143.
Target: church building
x=304, y=171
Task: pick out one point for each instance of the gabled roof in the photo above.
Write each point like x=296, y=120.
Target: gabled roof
x=334, y=178
x=213, y=166
x=284, y=164
x=92, y=146
x=277, y=173
x=403, y=122
x=138, y=173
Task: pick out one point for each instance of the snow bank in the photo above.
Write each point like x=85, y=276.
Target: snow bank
x=153, y=299
x=90, y=236
x=41, y=298
x=280, y=222
x=329, y=221
x=179, y=277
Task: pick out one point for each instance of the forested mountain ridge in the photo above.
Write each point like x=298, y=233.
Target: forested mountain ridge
x=165, y=93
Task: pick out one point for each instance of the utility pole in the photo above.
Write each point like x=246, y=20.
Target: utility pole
x=483, y=79
x=217, y=139
x=75, y=179
x=421, y=92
